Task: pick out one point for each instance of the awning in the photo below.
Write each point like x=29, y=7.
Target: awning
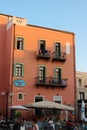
x=49, y=104
x=18, y=107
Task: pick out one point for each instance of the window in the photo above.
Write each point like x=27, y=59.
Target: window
x=18, y=70
x=57, y=74
x=42, y=46
x=38, y=98
x=57, y=99
x=19, y=43
x=79, y=82
x=42, y=73
x=81, y=95
x=20, y=96
x=57, y=49
x=38, y=112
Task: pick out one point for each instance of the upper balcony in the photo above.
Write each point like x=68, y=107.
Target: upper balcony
x=79, y=101
x=43, y=54
x=51, y=82
x=59, y=56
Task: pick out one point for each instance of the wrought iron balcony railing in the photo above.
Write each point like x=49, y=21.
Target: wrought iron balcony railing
x=43, y=54
x=79, y=101
x=59, y=56
x=51, y=82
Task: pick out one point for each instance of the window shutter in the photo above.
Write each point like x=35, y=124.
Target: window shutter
x=67, y=48
x=22, y=69
x=60, y=74
x=14, y=71
x=23, y=43
x=44, y=71
x=54, y=72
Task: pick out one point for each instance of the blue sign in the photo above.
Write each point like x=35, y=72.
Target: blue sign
x=19, y=83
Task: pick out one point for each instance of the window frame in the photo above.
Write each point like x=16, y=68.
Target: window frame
x=44, y=74
x=79, y=82
x=16, y=40
x=20, y=93
x=43, y=42
x=22, y=69
x=60, y=76
x=82, y=95
x=56, y=44
x=57, y=99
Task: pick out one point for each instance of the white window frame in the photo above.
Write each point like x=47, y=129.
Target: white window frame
x=22, y=96
x=55, y=98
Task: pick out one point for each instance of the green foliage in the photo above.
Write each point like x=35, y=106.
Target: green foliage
x=18, y=114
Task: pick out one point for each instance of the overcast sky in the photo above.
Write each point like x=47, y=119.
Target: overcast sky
x=68, y=15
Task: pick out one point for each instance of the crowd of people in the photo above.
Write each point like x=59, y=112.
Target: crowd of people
x=51, y=124
x=68, y=125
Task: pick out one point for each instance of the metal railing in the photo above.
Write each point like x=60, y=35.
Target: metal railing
x=43, y=54
x=49, y=81
x=59, y=56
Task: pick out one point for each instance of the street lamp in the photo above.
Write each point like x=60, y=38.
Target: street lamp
x=7, y=106
x=7, y=94
x=3, y=94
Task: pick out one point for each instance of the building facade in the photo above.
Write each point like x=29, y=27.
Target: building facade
x=81, y=85
x=36, y=63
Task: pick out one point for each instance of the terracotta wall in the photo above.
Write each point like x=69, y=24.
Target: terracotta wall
x=3, y=21
x=32, y=35
x=9, y=55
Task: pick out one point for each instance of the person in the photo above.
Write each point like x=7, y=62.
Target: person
x=17, y=125
x=40, y=52
x=75, y=127
x=35, y=124
x=45, y=124
x=51, y=124
x=1, y=118
x=68, y=124
x=85, y=127
x=23, y=121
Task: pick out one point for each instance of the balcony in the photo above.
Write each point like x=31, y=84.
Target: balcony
x=43, y=54
x=51, y=82
x=59, y=56
x=79, y=101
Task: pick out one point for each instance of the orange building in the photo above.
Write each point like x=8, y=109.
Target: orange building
x=36, y=63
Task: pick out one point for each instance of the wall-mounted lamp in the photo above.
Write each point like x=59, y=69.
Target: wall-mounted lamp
x=38, y=94
x=57, y=94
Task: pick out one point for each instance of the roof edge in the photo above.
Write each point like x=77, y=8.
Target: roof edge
x=51, y=28
x=10, y=15
x=40, y=26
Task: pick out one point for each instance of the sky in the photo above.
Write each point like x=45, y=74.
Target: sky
x=68, y=15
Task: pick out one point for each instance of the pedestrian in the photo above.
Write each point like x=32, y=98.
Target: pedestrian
x=51, y=124
x=75, y=127
x=35, y=124
x=68, y=123
x=85, y=127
